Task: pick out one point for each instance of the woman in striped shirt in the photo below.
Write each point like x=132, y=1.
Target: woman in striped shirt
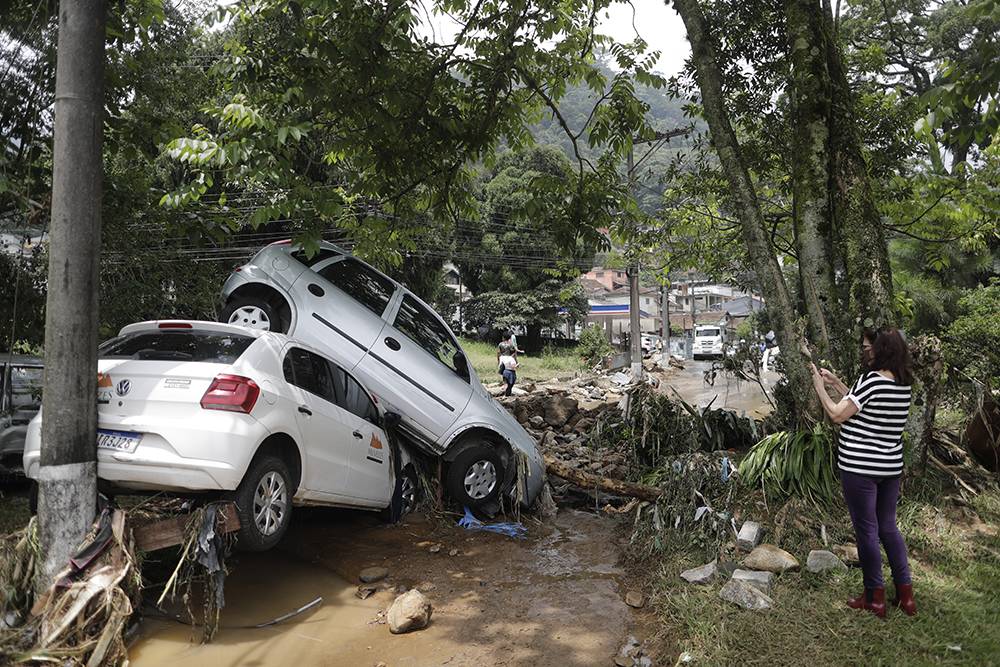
x=872, y=416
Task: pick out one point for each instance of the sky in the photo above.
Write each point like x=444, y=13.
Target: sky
x=659, y=25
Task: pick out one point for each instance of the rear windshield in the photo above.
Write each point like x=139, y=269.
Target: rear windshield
x=707, y=332
x=177, y=345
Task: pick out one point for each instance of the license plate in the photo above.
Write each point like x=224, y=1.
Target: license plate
x=119, y=441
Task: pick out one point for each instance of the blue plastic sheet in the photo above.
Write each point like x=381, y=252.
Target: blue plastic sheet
x=508, y=528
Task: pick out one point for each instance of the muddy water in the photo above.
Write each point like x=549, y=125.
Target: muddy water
x=553, y=599
x=726, y=392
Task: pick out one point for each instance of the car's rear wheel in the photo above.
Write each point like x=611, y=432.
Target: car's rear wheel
x=475, y=478
x=254, y=313
x=264, y=504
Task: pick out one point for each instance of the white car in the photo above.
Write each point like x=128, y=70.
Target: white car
x=194, y=407
x=402, y=351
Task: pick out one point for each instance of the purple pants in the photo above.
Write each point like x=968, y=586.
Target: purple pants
x=872, y=504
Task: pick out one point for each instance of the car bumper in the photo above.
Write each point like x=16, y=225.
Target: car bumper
x=209, y=455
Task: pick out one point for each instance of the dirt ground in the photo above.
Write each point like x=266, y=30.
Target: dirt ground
x=555, y=598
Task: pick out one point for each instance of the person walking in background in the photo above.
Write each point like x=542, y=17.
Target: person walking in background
x=506, y=346
x=513, y=342
x=508, y=369
x=873, y=415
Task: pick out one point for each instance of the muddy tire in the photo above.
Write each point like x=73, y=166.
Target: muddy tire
x=264, y=504
x=405, y=496
x=476, y=476
x=254, y=312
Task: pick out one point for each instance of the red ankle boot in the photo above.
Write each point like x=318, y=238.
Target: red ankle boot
x=904, y=599
x=872, y=599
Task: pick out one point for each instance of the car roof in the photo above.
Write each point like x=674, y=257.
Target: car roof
x=200, y=325
x=20, y=360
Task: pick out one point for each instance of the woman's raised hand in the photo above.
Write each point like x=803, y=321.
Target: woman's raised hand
x=828, y=376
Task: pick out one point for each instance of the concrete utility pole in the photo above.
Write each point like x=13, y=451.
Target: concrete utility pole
x=665, y=322
x=690, y=338
x=67, y=481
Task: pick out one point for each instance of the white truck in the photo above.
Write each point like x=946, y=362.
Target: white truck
x=709, y=342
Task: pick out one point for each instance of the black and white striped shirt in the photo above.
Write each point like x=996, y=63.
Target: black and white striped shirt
x=871, y=441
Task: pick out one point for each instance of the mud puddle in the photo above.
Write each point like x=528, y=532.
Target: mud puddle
x=552, y=599
x=726, y=392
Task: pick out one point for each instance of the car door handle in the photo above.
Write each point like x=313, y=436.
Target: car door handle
x=392, y=343
x=357, y=434
x=304, y=410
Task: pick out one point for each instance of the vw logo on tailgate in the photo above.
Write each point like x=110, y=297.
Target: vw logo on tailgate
x=123, y=387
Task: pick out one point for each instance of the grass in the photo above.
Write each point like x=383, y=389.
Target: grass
x=551, y=363
x=956, y=572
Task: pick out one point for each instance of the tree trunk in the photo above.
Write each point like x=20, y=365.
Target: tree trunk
x=67, y=478
x=744, y=197
x=586, y=480
x=855, y=215
x=809, y=91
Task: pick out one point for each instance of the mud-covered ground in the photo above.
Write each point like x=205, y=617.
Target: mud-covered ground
x=555, y=598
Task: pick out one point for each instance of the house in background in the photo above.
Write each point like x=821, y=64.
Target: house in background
x=453, y=281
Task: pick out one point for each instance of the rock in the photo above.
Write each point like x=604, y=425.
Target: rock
x=744, y=595
x=820, y=560
x=700, y=575
x=624, y=661
x=453, y=552
x=762, y=581
x=726, y=568
x=548, y=439
x=847, y=553
x=770, y=558
x=435, y=549
x=537, y=421
x=558, y=410
x=630, y=647
x=410, y=611
x=370, y=575
x=584, y=425
x=635, y=599
x=365, y=591
x=749, y=535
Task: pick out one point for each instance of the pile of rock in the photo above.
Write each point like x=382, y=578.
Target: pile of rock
x=751, y=585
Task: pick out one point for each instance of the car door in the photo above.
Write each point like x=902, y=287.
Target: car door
x=342, y=302
x=420, y=357
x=371, y=474
x=325, y=427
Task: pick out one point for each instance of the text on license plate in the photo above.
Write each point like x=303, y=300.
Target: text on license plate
x=119, y=441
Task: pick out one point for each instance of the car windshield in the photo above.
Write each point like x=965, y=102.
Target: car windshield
x=26, y=387
x=707, y=332
x=177, y=345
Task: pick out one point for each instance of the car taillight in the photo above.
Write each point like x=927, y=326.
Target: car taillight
x=175, y=325
x=233, y=393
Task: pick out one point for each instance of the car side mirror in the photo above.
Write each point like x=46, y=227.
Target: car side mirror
x=461, y=365
x=392, y=419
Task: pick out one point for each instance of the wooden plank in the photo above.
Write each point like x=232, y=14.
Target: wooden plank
x=170, y=532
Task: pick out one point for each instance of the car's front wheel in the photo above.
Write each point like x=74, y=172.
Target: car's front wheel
x=254, y=313
x=475, y=477
x=264, y=504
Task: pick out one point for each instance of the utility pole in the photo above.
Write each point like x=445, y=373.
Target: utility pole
x=635, y=333
x=67, y=479
x=635, y=325
x=665, y=322
x=690, y=338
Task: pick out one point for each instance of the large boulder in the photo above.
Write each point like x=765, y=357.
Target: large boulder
x=409, y=611
x=558, y=410
x=770, y=558
x=745, y=595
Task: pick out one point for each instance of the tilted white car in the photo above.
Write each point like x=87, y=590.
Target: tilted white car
x=188, y=406
x=402, y=350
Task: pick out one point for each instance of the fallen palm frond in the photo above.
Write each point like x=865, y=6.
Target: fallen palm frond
x=19, y=554
x=799, y=463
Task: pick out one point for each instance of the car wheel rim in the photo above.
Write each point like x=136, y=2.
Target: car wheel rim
x=408, y=494
x=480, y=479
x=251, y=317
x=270, y=504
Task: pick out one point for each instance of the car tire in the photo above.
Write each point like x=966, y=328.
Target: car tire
x=476, y=476
x=405, y=496
x=264, y=504
x=254, y=312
